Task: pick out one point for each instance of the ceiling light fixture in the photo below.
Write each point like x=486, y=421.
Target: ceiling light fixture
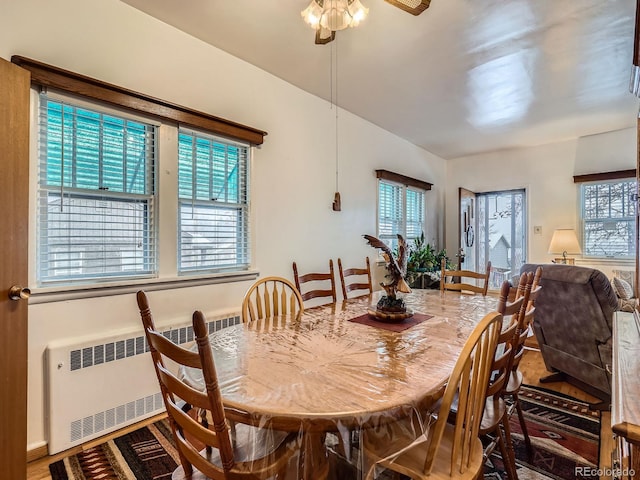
x=329, y=16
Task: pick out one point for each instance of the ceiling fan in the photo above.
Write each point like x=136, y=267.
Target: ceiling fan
x=329, y=16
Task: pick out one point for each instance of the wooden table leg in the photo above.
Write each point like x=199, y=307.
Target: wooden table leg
x=315, y=463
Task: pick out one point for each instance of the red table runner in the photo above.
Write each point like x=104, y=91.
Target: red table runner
x=415, y=319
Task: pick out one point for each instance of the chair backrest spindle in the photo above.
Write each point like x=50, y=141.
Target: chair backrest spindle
x=358, y=284
x=271, y=296
x=316, y=277
x=463, y=286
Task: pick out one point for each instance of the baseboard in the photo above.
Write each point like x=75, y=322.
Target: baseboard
x=37, y=453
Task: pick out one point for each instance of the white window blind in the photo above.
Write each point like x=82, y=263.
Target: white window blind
x=214, y=204
x=415, y=213
x=96, y=195
x=608, y=218
x=400, y=211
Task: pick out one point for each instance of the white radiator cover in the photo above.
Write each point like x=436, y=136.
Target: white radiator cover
x=97, y=385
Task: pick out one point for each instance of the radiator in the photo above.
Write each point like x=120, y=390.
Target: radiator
x=95, y=386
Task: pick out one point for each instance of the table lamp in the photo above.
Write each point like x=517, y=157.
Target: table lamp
x=565, y=241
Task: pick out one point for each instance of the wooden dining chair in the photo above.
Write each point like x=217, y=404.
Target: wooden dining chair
x=357, y=284
x=512, y=388
x=495, y=418
x=210, y=452
x=316, y=277
x=271, y=296
x=494, y=426
x=460, y=285
x=449, y=451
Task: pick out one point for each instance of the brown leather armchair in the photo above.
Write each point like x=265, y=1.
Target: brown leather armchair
x=574, y=314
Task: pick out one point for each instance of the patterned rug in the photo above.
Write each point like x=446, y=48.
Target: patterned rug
x=565, y=438
x=144, y=454
x=564, y=433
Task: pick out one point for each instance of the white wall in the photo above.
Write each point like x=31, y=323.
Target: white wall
x=546, y=172
x=293, y=172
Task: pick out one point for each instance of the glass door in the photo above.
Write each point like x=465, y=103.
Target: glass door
x=501, y=234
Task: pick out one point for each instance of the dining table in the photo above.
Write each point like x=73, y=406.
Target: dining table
x=335, y=369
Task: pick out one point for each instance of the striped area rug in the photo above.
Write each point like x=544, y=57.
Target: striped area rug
x=144, y=454
x=565, y=438
x=564, y=433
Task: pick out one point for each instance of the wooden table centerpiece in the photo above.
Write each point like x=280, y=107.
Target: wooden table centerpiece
x=391, y=307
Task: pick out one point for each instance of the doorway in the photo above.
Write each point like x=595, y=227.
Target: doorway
x=501, y=233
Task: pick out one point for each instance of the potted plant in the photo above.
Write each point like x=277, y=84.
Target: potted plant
x=424, y=264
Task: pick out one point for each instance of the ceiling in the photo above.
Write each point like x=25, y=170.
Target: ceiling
x=464, y=77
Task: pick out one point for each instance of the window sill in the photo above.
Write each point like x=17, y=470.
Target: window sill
x=74, y=292
x=605, y=261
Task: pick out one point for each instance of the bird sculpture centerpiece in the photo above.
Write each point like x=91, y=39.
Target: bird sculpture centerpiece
x=397, y=267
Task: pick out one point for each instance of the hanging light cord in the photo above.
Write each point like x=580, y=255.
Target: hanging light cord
x=331, y=75
x=336, y=104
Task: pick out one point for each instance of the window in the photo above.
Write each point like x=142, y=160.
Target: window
x=608, y=218
x=101, y=216
x=97, y=214
x=213, y=196
x=400, y=211
x=96, y=195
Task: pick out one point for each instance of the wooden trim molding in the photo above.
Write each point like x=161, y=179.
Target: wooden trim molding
x=37, y=453
x=323, y=41
x=49, y=76
x=599, y=177
x=407, y=6
x=403, y=179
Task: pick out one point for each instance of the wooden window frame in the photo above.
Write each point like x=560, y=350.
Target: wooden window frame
x=604, y=176
x=403, y=179
x=44, y=75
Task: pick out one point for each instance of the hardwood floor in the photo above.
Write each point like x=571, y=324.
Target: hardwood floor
x=532, y=368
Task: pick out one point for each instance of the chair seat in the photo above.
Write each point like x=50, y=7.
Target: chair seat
x=514, y=384
x=494, y=411
x=254, y=449
x=251, y=443
x=411, y=460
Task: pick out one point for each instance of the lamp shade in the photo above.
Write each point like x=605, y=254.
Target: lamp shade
x=565, y=241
